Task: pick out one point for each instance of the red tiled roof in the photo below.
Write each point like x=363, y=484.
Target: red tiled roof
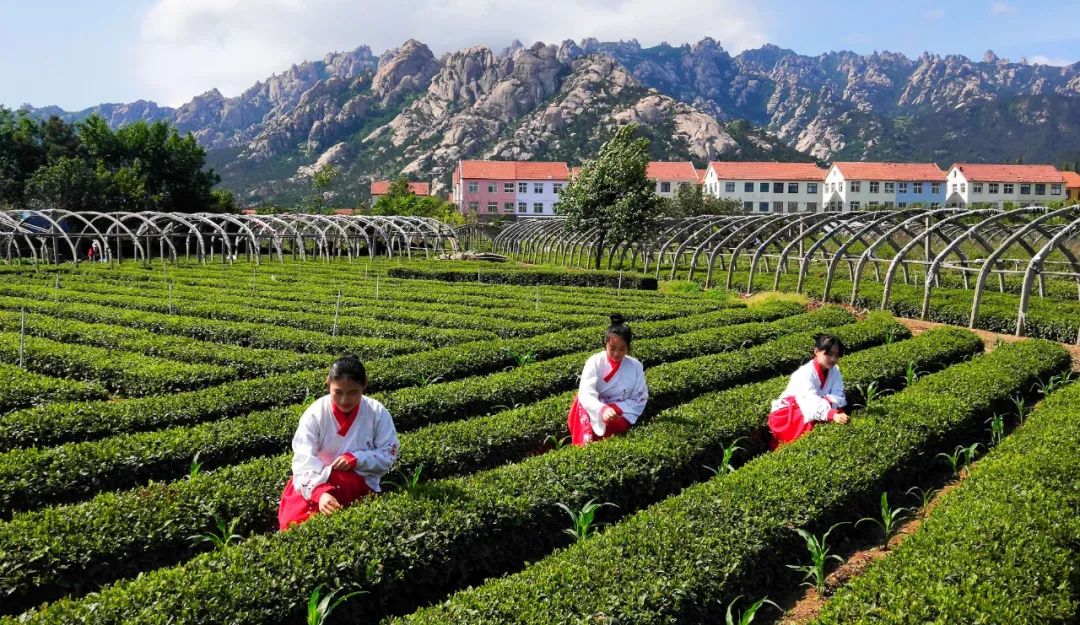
x=890, y=171
x=978, y=172
x=676, y=171
x=1072, y=179
x=513, y=170
x=767, y=171
x=701, y=175
x=344, y=211
x=249, y=211
x=382, y=187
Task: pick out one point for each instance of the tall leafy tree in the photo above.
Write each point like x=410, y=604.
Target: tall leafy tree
x=400, y=200
x=612, y=193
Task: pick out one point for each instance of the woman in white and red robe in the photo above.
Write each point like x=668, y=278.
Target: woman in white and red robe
x=814, y=394
x=344, y=445
x=612, y=393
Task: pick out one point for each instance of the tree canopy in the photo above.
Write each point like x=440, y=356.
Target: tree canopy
x=400, y=200
x=613, y=193
x=89, y=166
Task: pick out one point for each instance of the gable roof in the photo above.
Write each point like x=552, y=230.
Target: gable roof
x=513, y=170
x=382, y=187
x=1072, y=179
x=980, y=172
x=890, y=171
x=679, y=171
x=766, y=170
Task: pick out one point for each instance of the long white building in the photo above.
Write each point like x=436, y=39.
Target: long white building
x=766, y=187
x=1022, y=185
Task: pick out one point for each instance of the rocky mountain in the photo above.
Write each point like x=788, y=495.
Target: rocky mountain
x=408, y=111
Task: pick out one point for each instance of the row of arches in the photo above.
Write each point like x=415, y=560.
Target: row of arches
x=52, y=236
x=916, y=245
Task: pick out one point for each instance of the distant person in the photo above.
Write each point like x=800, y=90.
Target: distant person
x=95, y=252
x=814, y=394
x=612, y=393
x=344, y=445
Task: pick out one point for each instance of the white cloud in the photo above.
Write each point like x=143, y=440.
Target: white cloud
x=934, y=14
x=187, y=47
x=1000, y=8
x=1040, y=59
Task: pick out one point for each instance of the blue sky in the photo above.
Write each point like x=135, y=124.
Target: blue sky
x=76, y=53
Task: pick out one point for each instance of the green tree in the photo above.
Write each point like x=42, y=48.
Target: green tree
x=612, y=193
x=68, y=184
x=400, y=200
x=691, y=200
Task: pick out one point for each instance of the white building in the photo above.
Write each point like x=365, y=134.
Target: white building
x=870, y=186
x=766, y=187
x=1022, y=185
x=671, y=176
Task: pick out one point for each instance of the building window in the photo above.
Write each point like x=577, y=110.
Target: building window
x=811, y=187
x=522, y=207
x=901, y=187
x=1040, y=189
x=918, y=187
x=763, y=187
x=840, y=187
x=792, y=187
x=493, y=207
x=875, y=187
x=898, y=204
x=508, y=187
x=811, y=207
x=854, y=206
x=508, y=207
x=872, y=204
x=492, y=187
x=963, y=187
x=976, y=187
x=792, y=207
x=474, y=187
x=665, y=187
x=748, y=187
x=855, y=186
x=748, y=206
x=1055, y=189
x=1025, y=189
x=729, y=187
x=778, y=207
x=474, y=206
x=763, y=207
x=538, y=207
x=523, y=187
x=777, y=187
x=993, y=187
x=556, y=187
x=890, y=187
x=538, y=187
x=935, y=188
x=1007, y=187
x=954, y=186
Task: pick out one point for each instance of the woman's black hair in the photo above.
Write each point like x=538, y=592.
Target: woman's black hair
x=348, y=367
x=620, y=329
x=826, y=342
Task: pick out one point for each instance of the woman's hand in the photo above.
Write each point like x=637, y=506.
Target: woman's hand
x=340, y=464
x=608, y=414
x=328, y=504
x=840, y=418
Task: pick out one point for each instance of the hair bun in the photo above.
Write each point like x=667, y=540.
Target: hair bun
x=617, y=319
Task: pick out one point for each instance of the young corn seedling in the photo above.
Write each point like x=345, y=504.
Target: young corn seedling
x=407, y=482
x=814, y=573
x=913, y=374
x=954, y=460
x=747, y=617
x=922, y=496
x=889, y=521
x=870, y=394
x=196, y=466
x=1021, y=407
x=582, y=521
x=521, y=358
x=224, y=536
x=970, y=452
x=729, y=452
x=428, y=380
x=556, y=442
x=997, y=429
x=319, y=609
